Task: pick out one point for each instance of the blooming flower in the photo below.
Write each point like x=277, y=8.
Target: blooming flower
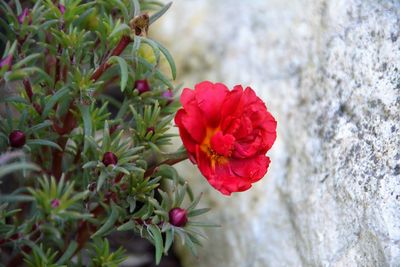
x=226, y=133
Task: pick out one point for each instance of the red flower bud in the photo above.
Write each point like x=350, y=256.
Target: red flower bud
x=55, y=203
x=17, y=138
x=150, y=129
x=178, y=217
x=109, y=158
x=142, y=86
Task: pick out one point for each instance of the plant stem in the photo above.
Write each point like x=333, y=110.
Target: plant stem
x=123, y=43
x=172, y=159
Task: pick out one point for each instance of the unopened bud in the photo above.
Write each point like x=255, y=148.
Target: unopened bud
x=109, y=158
x=7, y=61
x=23, y=16
x=178, y=217
x=55, y=203
x=61, y=8
x=168, y=95
x=142, y=86
x=17, y=138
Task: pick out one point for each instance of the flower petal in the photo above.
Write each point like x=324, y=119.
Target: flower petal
x=222, y=144
x=251, y=168
x=210, y=98
x=187, y=139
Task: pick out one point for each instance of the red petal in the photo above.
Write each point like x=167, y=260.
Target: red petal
x=222, y=144
x=187, y=140
x=227, y=182
x=233, y=104
x=192, y=119
x=203, y=162
x=252, y=169
x=210, y=98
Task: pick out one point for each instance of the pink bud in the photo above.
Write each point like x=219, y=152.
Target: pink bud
x=178, y=217
x=168, y=95
x=7, y=61
x=55, y=203
x=109, y=158
x=23, y=15
x=61, y=8
x=142, y=86
x=17, y=138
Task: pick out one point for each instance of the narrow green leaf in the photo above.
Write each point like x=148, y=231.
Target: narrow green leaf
x=39, y=126
x=68, y=253
x=17, y=167
x=54, y=99
x=124, y=71
x=169, y=238
x=158, y=74
x=198, y=212
x=120, y=28
x=169, y=58
x=136, y=8
x=158, y=241
x=26, y=60
x=107, y=226
x=42, y=142
x=161, y=12
x=101, y=180
x=15, y=99
x=16, y=198
x=195, y=202
x=90, y=164
x=129, y=225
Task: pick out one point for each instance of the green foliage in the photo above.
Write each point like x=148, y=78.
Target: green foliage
x=93, y=156
x=101, y=256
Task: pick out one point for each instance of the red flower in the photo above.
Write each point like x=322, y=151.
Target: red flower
x=226, y=133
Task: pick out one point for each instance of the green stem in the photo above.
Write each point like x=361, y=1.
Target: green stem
x=172, y=159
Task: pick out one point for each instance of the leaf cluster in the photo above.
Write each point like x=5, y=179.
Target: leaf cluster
x=93, y=159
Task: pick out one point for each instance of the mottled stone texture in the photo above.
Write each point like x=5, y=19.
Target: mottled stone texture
x=329, y=72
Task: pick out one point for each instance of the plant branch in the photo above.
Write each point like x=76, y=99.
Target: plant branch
x=123, y=43
x=172, y=159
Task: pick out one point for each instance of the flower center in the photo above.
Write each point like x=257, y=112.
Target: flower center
x=217, y=146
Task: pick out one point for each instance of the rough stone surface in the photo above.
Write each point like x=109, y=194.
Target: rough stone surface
x=329, y=72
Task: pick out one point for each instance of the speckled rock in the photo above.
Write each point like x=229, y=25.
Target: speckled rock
x=329, y=72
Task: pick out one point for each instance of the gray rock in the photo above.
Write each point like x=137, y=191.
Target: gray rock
x=329, y=72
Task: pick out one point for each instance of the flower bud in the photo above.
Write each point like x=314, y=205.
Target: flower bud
x=109, y=158
x=142, y=86
x=61, y=8
x=7, y=61
x=178, y=217
x=17, y=138
x=23, y=16
x=168, y=95
x=150, y=130
x=55, y=203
